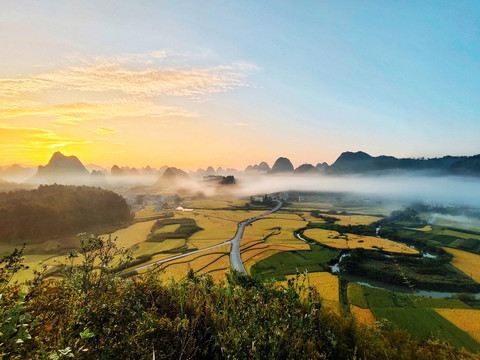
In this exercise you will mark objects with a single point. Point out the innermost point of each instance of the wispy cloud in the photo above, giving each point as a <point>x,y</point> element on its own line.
<point>71,114</point>
<point>113,74</point>
<point>105,131</point>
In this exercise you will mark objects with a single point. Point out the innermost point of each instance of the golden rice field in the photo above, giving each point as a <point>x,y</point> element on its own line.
<point>459,234</point>
<point>215,230</point>
<point>148,212</point>
<point>466,262</point>
<point>363,316</point>
<point>133,234</point>
<point>467,320</point>
<point>213,203</point>
<point>323,206</point>
<point>325,283</point>
<point>425,228</point>
<point>333,306</point>
<point>232,215</point>
<point>154,247</point>
<point>352,241</point>
<point>345,219</point>
<point>202,262</point>
<point>279,229</point>
<point>256,249</point>
<point>167,229</point>
<point>270,226</point>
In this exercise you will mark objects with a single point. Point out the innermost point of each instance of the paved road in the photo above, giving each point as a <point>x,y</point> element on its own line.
<point>235,259</point>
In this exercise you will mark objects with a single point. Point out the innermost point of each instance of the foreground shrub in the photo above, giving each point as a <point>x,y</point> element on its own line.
<point>92,312</point>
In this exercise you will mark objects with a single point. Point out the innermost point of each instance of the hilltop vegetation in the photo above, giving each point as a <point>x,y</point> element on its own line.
<point>92,313</point>
<point>58,210</point>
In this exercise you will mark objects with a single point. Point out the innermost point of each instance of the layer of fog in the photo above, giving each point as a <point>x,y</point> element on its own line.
<point>441,190</point>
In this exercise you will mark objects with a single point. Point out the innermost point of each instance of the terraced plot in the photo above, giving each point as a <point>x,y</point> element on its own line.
<point>363,316</point>
<point>211,261</point>
<point>132,235</point>
<point>285,263</point>
<point>351,241</point>
<point>466,319</point>
<point>420,321</point>
<point>215,230</point>
<point>344,219</point>
<point>326,285</point>
<point>466,262</point>
<point>270,236</point>
<point>356,296</point>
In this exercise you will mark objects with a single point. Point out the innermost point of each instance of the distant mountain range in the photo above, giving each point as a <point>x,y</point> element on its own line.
<point>363,163</point>
<point>63,169</point>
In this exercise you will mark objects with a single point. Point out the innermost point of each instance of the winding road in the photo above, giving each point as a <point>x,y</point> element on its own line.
<point>235,258</point>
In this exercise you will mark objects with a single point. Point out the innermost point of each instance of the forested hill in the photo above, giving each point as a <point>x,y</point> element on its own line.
<point>57,210</point>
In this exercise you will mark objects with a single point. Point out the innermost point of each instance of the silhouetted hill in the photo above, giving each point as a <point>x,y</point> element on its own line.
<point>16,172</point>
<point>306,169</point>
<point>282,165</point>
<point>174,173</point>
<point>61,169</point>
<point>171,176</point>
<point>361,162</point>
<point>263,166</point>
<point>467,166</point>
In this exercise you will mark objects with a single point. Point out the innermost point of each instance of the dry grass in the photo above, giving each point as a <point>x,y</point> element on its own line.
<point>467,320</point>
<point>352,241</point>
<point>363,316</point>
<point>466,262</point>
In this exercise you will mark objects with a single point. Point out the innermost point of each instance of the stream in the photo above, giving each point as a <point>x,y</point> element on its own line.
<point>382,285</point>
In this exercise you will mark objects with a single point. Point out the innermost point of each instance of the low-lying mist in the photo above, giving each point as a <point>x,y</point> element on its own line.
<point>444,190</point>
<point>447,190</point>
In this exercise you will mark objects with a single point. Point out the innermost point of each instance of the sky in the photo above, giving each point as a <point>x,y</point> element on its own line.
<point>232,83</point>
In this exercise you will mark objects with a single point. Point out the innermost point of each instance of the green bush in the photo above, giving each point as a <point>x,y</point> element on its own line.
<point>93,313</point>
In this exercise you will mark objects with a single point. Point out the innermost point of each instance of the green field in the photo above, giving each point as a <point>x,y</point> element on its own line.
<point>412,313</point>
<point>289,262</point>
<point>423,323</point>
<point>356,296</point>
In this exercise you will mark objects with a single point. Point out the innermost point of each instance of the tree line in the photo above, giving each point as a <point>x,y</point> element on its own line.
<point>58,210</point>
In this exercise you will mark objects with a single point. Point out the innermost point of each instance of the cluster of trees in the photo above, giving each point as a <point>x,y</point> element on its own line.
<point>424,273</point>
<point>89,314</point>
<point>58,210</point>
